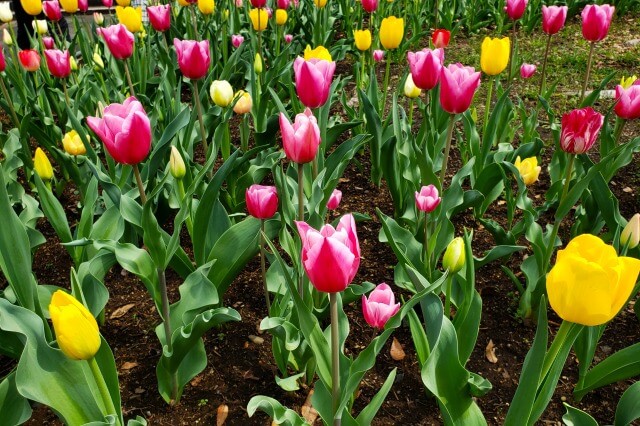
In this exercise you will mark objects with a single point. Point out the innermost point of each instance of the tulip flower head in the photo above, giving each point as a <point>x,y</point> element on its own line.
<point>596,20</point>
<point>83,5</point>
<point>302,139</point>
<point>98,18</point>
<point>458,84</point>
<point>42,165</point>
<point>313,80</point>
<point>288,38</point>
<point>528,169</point>
<point>244,103</point>
<point>58,62</point>
<point>283,4</point>
<point>40,25</point>
<point>378,55</point>
<point>527,70</point>
<point>257,64</point>
<point>6,37</point>
<point>630,235</point>
<point>427,200</point>
<point>391,32</point>
<point>411,91</point>
<point>454,256</point>
<point>590,283</point>
<point>334,199</point>
<point>160,17</point>
<point>193,57</point>
<point>221,93</point>
<point>76,329</point>
<point>281,16</point>
<point>125,131</point>
<point>108,3</point>
<point>370,6</point>
<point>515,8</point>
<point>237,40</point>
<point>494,55</point>
<point>319,52</point>
<point>29,59</point>
<point>362,39</point>
<point>69,6</point>
<point>320,3</point>
<point>259,19</point>
<point>628,102</point>
<point>553,18</point>
<point>119,40</point>
<point>52,10</point>
<point>330,256</point>
<point>6,15</point>
<point>440,38</point>
<point>580,129</point>
<point>177,168</point>
<point>32,7</point>
<point>206,7</point>
<point>426,67</point>
<point>262,201</point>
<point>3,63</point>
<point>72,143</point>
<point>627,82</point>
<point>130,17</point>
<point>49,42</point>
<point>379,306</point>
<point>258,3</point>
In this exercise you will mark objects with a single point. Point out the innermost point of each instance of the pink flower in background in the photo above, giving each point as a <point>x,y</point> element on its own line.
<point>553,18</point>
<point>458,84</point>
<point>58,62</point>
<point>580,129</point>
<point>427,199</point>
<point>107,3</point>
<point>302,139</point>
<point>160,17</point>
<point>193,57</point>
<point>258,3</point>
<point>379,306</point>
<point>83,5</point>
<point>119,40</point>
<point>426,66</point>
<point>527,70</point>
<point>515,8</point>
<point>369,5</point>
<point>628,105</point>
<point>262,201</point>
<point>596,20</point>
<point>237,40</point>
<point>288,38</point>
<point>313,80</point>
<point>48,42</point>
<point>283,4</point>
<point>334,199</point>
<point>378,55</point>
<point>52,10</point>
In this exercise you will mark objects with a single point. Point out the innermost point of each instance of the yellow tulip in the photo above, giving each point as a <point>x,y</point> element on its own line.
<point>42,165</point>
<point>221,93</point>
<point>319,52</point>
<point>123,3</point>
<point>529,169</point>
<point>259,19</point>
<point>627,82</point>
<point>410,89</point>
<point>320,3</point>
<point>244,102</point>
<point>281,16</point>
<point>391,32</point>
<point>72,143</point>
<point>69,6</point>
<point>363,39</point>
<point>130,17</point>
<point>32,7</point>
<point>590,283</point>
<point>494,55</point>
<point>181,3</point>
<point>76,329</point>
<point>206,6</point>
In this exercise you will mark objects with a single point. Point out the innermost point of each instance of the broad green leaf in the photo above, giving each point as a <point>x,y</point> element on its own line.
<point>629,406</point>
<point>275,410</point>
<point>576,417</point>
<point>14,408</point>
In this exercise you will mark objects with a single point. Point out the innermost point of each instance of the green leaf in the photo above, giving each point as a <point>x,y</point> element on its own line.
<point>367,415</point>
<point>576,417</point>
<point>14,408</point>
<point>290,383</point>
<point>275,410</point>
<point>629,406</point>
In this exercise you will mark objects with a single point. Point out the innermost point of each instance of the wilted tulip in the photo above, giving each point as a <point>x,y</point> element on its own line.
<point>52,10</point>
<point>262,201</point>
<point>119,40</point>
<point>379,306</point>
<point>193,57</point>
<point>76,329</point>
<point>529,169</point>
<point>334,199</point>
<point>259,19</point>
<point>440,38</point>
<point>362,39</point>
<point>527,70</point>
<point>391,32</point>
<point>58,62</point>
<point>313,80</point>
<point>458,84</point>
<point>454,256</point>
<point>130,17</point>
<point>206,7</point>
<point>32,7</point>
<point>370,6</point>
<point>302,139</point>
<point>426,67</point>
<point>427,200</point>
<point>6,15</point>
<point>244,102</point>
<point>580,129</point>
<point>515,8</point>
<point>553,18</point>
<point>42,165</point>
<point>411,91</point>
<point>72,143</point>
<point>237,40</point>
<point>177,168</point>
<point>630,235</point>
<point>628,102</point>
<point>378,55</point>
<point>29,59</point>
<point>221,93</point>
<point>494,55</point>
<point>596,20</point>
<point>160,17</point>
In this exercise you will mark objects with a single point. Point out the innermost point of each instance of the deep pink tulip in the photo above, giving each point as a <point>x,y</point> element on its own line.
<point>427,199</point>
<point>378,55</point>
<point>125,131</point>
<point>48,42</point>
<point>370,5</point>
<point>160,17</point>
<point>58,62</point>
<point>262,201</point>
<point>29,59</point>
<point>440,38</point>
<point>553,18</point>
<point>596,20</point>
<point>107,3</point>
<point>52,10</point>
<point>527,70</point>
<point>119,40</point>
<point>331,257</point>
<point>83,5</point>
<point>426,66</point>
<point>237,40</point>
<point>288,38</point>
<point>458,84</point>
<point>334,199</point>
<point>3,63</point>
<point>313,80</point>
<point>302,139</point>
<point>380,306</point>
<point>515,8</point>
<point>580,129</point>
<point>283,4</point>
<point>258,3</point>
<point>193,57</point>
<point>269,12</point>
<point>628,106</point>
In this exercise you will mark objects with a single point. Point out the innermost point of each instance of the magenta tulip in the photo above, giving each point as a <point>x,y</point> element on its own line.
<point>193,57</point>
<point>379,306</point>
<point>3,63</point>
<point>237,40</point>
<point>628,106</point>
<point>160,17</point>
<point>83,5</point>
<point>258,3</point>
<point>48,42</point>
<point>313,80</point>
<point>527,70</point>
<point>52,10</point>
<point>427,199</point>
<point>458,84</point>
<point>515,8</point>
<point>334,199</point>
<point>288,38</point>
<point>426,67</point>
<point>378,55</point>
<point>331,257</point>
<point>283,4</point>
<point>302,139</point>
<point>125,131</point>
<point>596,20</point>
<point>119,40</point>
<point>58,62</point>
<point>580,129</point>
<point>262,201</point>
<point>553,18</point>
<point>370,5</point>
<point>107,3</point>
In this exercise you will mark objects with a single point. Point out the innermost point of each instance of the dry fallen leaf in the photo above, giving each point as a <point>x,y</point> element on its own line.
<point>308,412</point>
<point>490,352</point>
<point>121,311</point>
<point>223,412</point>
<point>129,365</point>
<point>627,189</point>
<point>196,380</point>
<point>397,353</point>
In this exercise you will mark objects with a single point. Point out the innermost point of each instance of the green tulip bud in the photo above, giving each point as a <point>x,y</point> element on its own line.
<point>454,257</point>
<point>631,233</point>
<point>257,64</point>
<point>176,164</point>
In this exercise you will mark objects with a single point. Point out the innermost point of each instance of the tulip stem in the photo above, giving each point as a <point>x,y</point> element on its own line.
<point>363,59</point>
<point>410,114</point>
<point>427,255</point>
<point>194,21</point>
<point>447,296</point>
<point>443,170</point>
<point>386,82</point>
<point>143,196</point>
<point>544,66</point>
<point>617,132</point>
<point>196,94</point>
<point>435,14</point>
<point>166,323</point>
<point>128,73</point>
<point>487,108</point>
<point>512,53</point>
<point>5,93</point>
<point>335,359</point>
<point>300,217</point>
<point>181,197</point>
<point>586,80</point>
<point>263,267</point>
<point>66,93</point>
<point>567,334</point>
<point>102,387</point>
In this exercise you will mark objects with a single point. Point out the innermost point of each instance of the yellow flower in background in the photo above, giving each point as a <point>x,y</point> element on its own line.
<point>42,165</point>
<point>130,17</point>
<point>181,3</point>
<point>206,6</point>
<point>590,283</point>
<point>319,52</point>
<point>281,16</point>
<point>259,19</point>
<point>410,89</point>
<point>221,93</point>
<point>494,55</point>
<point>391,32</point>
<point>69,6</point>
<point>76,329</point>
<point>72,143</point>
<point>362,39</point>
<point>32,7</point>
<point>628,81</point>
<point>124,3</point>
<point>320,3</point>
<point>529,169</point>
<point>244,103</point>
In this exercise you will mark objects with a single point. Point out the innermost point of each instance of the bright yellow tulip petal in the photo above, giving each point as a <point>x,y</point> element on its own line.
<point>494,55</point>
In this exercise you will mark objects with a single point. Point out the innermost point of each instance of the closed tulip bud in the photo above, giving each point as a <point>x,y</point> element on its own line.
<point>130,17</point>
<point>107,3</point>
<point>369,6</point>
<point>596,20</point>
<point>627,82</point>
<point>32,7</point>
<point>458,84</point>
<point>362,39</point>
<point>40,25</point>
<point>379,306</point>
<point>69,6</point>
<point>194,58</point>
<point>528,169</point>
<point>630,235</point>
<point>283,4</point>
<point>221,93</point>
<point>426,67</point>
<point>494,55</point>
<point>176,164</point>
<point>580,129</point>
<point>48,42</point>
<point>628,102</point>
<point>454,256</point>
<point>313,80</point>
<point>73,63</point>
<point>440,38</point>
<point>160,17</point>
<point>3,63</point>
<point>72,143</point>
<point>378,55</point>
<point>302,139</point>
<point>259,19</point>
<point>320,3</point>
<point>42,165</point>
<point>527,70</point>
<point>6,37</point>
<point>206,7</point>
<point>238,3</point>
<point>515,8</point>
<point>590,283</point>
<point>391,32</point>
<point>244,102</point>
<point>281,16</point>
<point>410,89</point>
<point>6,15</point>
<point>257,64</point>
<point>427,200</point>
<point>98,18</point>
<point>237,40</point>
<point>58,62</point>
<point>97,61</point>
<point>288,38</point>
<point>553,18</point>
<point>29,59</point>
<point>334,199</point>
<point>83,5</point>
<point>52,10</point>
<point>119,40</point>
<point>258,3</point>
<point>76,329</point>
<point>123,3</point>
<point>262,201</point>
<point>319,52</point>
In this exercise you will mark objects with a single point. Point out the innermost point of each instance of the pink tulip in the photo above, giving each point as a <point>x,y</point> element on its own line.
<point>269,12</point>
<point>258,3</point>
<point>440,38</point>
<point>29,59</point>
<point>160,17</point>
<point>236,40</point>
<point>527,70</point>
<point>193,57</point>
<point>3,63</point>
<point>515,8</point>
<point>370,5</point>
<point>83,5</point>
<point>596,20</point>
<point>331,257</point>
<point>580,130</point>
<point>119,40</point>
<point>334,199</point>
<point>553,18</point>
<point>313,80</point>
<point>107,3</point>
<point>52,10</point>
<point>125,131</point>
<point>302,139</point>
<point>426,67</point>
<point>288,38</point>
<point>58,62</point>
<point>458,84</point>
<point>427,199</point>
<point>378,55</point>
<point>380,306</point>
<point>48,42</point>
<point>238,3</point>
<point>262,201</point>
<point>628,106</point>
<point>283,4</point>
